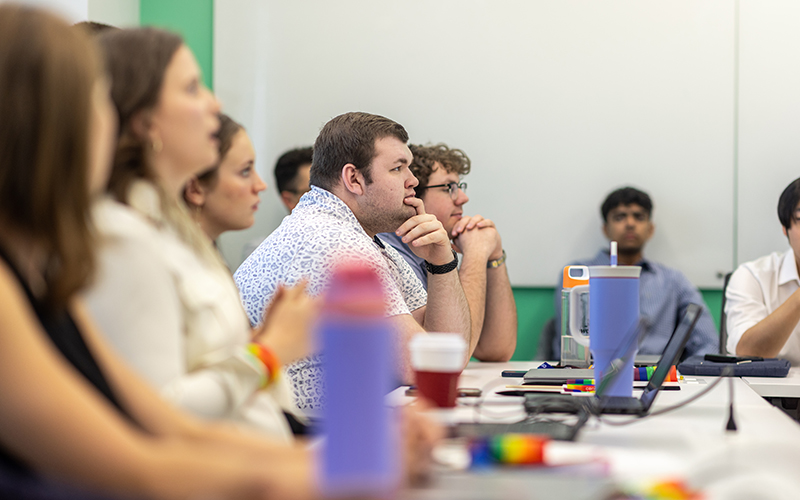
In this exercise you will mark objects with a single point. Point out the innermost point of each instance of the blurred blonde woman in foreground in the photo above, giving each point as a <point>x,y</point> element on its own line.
<point>162,295</point>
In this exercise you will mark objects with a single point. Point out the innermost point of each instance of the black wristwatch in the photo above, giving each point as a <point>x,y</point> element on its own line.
<point>445,268</point>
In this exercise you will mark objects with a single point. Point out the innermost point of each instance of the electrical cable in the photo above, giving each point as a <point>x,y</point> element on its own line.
<point>726,373</point>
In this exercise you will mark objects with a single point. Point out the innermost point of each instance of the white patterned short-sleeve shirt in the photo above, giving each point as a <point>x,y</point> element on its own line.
<point>321,231</point>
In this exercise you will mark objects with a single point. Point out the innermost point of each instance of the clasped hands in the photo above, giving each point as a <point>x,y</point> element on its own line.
<point>476,235</point>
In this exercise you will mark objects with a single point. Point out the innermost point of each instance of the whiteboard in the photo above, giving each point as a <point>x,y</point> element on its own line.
<point>556,103</point>
<point>769,110</point>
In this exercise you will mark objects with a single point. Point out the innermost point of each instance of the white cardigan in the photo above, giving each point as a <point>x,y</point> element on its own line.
<point>178,320</point>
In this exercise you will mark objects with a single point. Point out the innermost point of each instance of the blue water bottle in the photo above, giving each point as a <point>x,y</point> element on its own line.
<point>359,457</point>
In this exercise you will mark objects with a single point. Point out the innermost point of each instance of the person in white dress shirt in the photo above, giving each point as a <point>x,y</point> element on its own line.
<point>763,296</point>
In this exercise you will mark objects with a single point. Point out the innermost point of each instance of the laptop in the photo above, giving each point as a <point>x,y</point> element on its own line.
<point>538,406</point>
<point>623,405</point>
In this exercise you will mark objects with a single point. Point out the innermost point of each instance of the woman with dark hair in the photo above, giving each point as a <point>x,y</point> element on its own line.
<point>225,197</point>
<point>163,296</point>
<point>71,409</point>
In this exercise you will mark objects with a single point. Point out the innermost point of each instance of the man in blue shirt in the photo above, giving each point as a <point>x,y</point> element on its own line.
<point>664,292</point>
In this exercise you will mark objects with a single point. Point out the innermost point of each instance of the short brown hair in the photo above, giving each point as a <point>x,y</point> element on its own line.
<point>48,71</point>
<point>136,59</point>
<point>426,157</point>
<point>228,128</point>
<point>350,138</point>
<point>93,28</point>
<point>287,166</point>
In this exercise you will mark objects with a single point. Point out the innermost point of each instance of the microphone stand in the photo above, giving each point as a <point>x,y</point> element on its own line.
<point>731,426</point>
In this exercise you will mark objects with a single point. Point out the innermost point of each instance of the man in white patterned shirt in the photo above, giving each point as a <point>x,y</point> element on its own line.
<point>361,186</point>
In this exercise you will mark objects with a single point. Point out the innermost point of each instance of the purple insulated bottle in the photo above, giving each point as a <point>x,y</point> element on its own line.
<point>360,452</point>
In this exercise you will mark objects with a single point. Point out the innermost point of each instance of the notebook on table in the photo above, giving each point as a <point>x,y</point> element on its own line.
<point>555,376</point>
<point>770,367</point>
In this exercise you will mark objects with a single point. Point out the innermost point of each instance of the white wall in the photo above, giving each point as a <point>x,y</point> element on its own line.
<point>769,117</point>
<point>120,13</point>
<point>556,103</point>
<point>71,10</point>
<point>241,75</point>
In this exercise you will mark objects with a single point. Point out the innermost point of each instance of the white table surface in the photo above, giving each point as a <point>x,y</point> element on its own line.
<point>689,443</point>
<point>786,387</point>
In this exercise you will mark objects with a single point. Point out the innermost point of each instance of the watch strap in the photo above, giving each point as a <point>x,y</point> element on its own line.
<point>494,264</point>
<point>443,269</point>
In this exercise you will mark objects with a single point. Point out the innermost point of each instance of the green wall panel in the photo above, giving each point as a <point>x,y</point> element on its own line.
<point>535,307</point>
<point>193,20</point>
<point>713,299</point>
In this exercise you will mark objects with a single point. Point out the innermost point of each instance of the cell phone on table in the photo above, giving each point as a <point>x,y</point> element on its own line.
<point>469,392</point>
<point>721,358</point>
<point>463,392</point>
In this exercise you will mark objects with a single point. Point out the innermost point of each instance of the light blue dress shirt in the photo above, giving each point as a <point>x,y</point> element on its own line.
<point>417,263</point>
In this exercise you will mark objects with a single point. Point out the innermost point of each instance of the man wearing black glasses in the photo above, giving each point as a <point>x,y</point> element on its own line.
<point>482,270</point>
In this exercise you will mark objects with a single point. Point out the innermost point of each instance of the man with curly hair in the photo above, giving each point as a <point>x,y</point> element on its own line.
<point>482,269</point>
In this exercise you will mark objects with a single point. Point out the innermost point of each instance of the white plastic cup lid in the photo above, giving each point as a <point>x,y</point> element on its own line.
<point>614,271</point>
<point>440,352</point>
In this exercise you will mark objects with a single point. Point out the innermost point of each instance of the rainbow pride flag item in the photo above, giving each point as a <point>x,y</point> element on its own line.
<point>646,372</point>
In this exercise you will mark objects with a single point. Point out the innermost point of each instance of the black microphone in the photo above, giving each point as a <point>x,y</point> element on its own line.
<point>728,372</point>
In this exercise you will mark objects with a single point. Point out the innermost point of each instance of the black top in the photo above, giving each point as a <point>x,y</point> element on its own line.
<point>64,333</point>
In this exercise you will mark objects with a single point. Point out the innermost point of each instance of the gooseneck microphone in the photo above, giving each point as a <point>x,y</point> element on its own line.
<point>728,372</point>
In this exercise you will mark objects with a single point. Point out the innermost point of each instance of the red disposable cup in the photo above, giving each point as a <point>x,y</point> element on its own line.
<point>437,359</point>
<point>439,387</point>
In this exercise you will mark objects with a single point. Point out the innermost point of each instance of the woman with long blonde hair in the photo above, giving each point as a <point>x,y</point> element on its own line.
<point>163,295</point>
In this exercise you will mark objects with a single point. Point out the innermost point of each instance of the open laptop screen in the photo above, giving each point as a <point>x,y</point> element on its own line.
<point>672,352</point>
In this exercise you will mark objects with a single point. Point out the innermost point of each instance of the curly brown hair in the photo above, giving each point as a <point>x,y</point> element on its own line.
<point>425,159</point>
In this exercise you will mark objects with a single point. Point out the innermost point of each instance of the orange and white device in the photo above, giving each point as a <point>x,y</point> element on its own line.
<point>576,276</point>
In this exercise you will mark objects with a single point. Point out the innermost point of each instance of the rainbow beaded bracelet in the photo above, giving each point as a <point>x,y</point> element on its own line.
<point>270,362</point>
